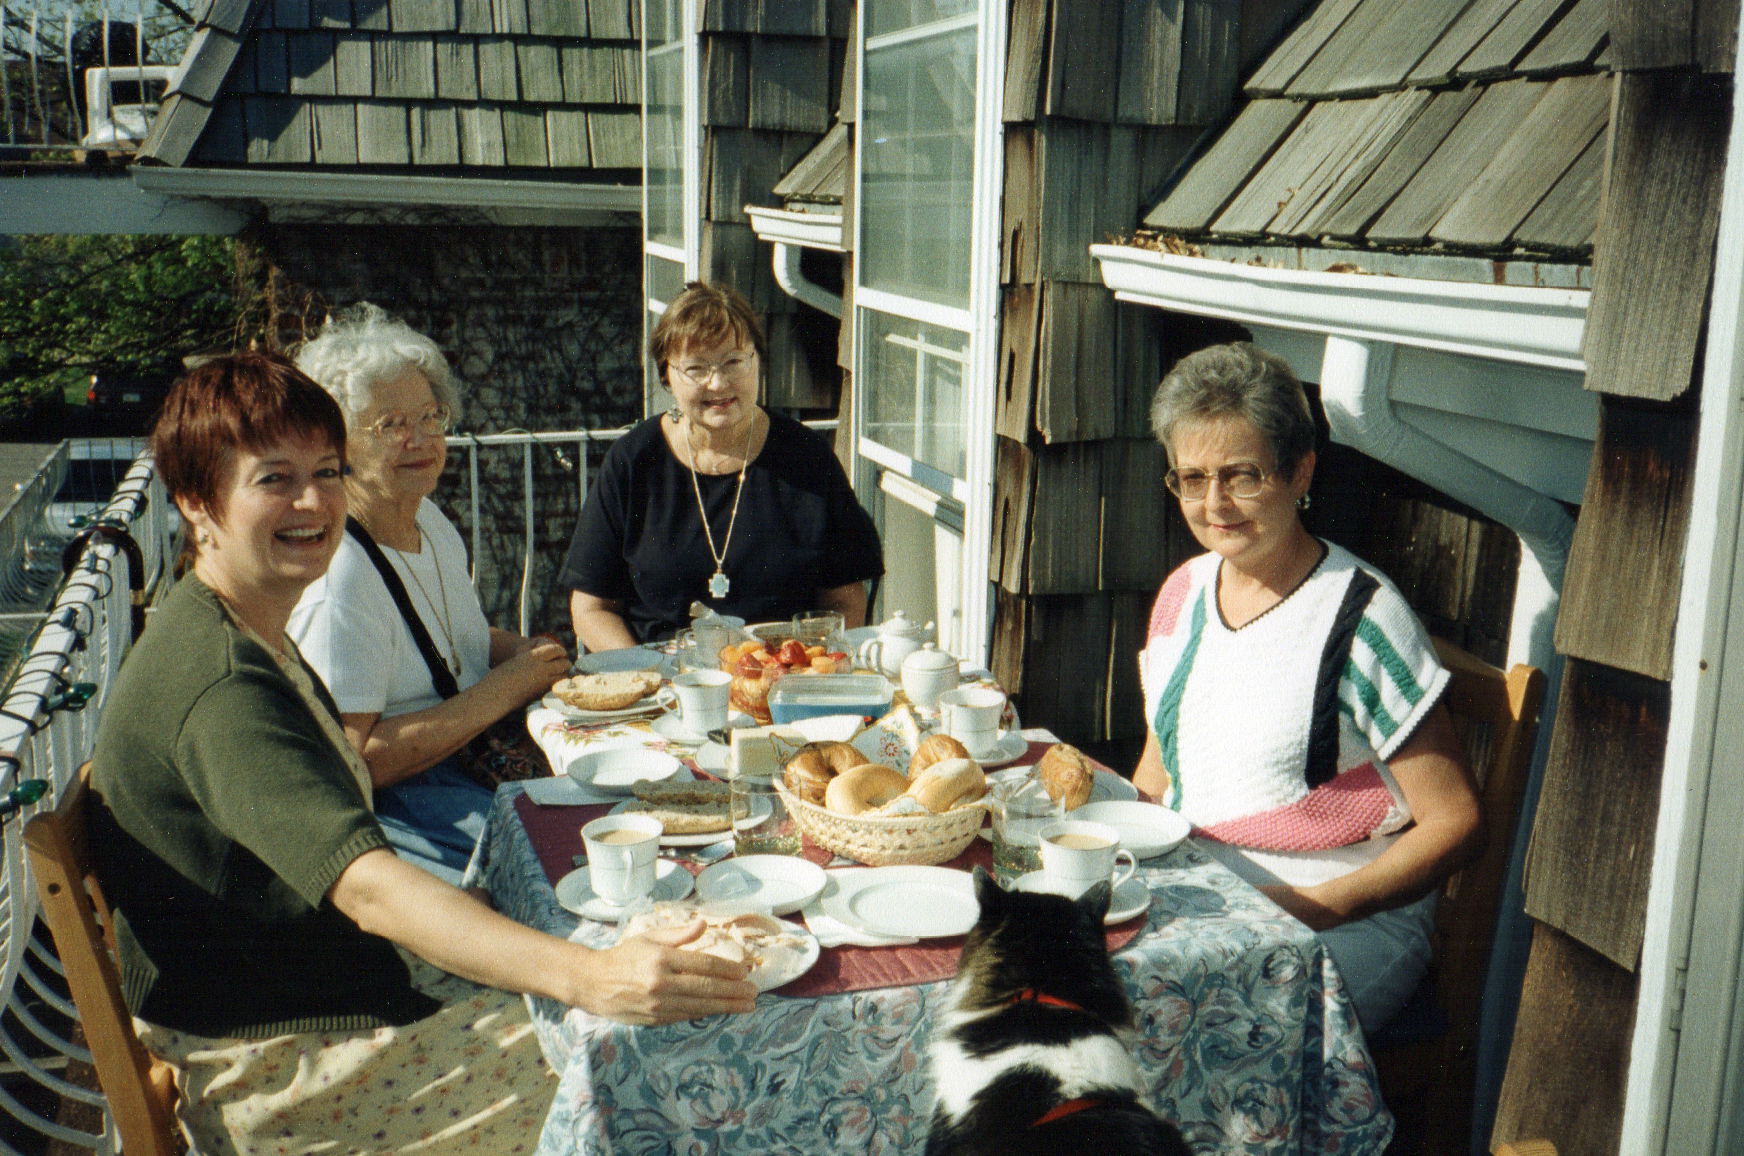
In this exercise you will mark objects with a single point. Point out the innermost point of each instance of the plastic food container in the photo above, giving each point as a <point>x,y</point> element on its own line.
<point>813,695</point>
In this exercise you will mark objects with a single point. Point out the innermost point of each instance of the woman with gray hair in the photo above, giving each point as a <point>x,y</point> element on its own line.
<point>395,627</point>
<point>1292,697</point>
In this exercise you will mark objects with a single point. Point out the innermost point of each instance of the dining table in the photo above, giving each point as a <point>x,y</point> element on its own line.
<point>1244,1033</point>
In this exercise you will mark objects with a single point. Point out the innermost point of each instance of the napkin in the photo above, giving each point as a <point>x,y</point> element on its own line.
<point>832,932</point>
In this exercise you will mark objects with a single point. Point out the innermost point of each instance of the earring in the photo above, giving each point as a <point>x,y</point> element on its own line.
<point>1302,502</point>
<point>203,538</point>
<point>674,415</point>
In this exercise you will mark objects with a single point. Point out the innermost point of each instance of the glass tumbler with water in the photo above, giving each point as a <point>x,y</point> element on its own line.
<point>1021,808</point>
<point>761,822</point>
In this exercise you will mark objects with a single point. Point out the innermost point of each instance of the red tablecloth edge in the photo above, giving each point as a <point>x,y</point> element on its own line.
<point>555,833</point>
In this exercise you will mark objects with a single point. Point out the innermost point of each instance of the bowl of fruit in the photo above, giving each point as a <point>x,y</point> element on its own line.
<point>759,661</point>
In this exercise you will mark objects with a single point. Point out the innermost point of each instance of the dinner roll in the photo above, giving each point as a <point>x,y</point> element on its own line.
<point>864,788</point>
<point>1067,775</point>
<point>811,768</point>
<point>935,749</point>
<point>949,784</point>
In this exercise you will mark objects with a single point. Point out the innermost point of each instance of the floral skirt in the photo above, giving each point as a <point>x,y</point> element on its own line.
<point>469,1078</point>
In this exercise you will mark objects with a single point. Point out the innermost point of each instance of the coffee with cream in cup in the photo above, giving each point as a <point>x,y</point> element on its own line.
<point>1078,854</point>
<point>621,854</point>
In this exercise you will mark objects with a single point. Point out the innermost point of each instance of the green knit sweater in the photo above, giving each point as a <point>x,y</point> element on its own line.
<point>221,816</point>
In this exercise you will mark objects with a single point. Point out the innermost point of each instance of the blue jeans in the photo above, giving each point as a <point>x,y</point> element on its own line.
<point>434,818</point>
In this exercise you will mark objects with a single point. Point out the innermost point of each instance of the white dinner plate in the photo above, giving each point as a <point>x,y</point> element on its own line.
<point>659,700</point>
<point>1130,898</point>
<point>774,975</point>
<point>724,835</point>
<point>616,770</point>
<point>1108,785</point>
<point>858,636</point>
<point>626,658</point>
<point>782,883</point>
<point>1146,829</point>
<point>670,727</point>
<point>923,902</point>
<point>1012,746</point>
<point>575,892</point>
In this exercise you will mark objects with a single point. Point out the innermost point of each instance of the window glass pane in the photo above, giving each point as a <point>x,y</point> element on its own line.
<point>917,146</point>
<point>665,134</point>
<point>884,16</point>
<point>914,376</point>
<point>665,279</point>
<point>909,535</point>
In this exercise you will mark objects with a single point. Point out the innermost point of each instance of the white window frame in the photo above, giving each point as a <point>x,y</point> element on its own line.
<point>965,506</point>
<point>688,45</point>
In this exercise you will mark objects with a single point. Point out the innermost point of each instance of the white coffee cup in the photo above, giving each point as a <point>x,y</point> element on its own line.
<point>971,716</point>
<point>621,855</point>
<point>1078,854</point>
<point>703,697</point>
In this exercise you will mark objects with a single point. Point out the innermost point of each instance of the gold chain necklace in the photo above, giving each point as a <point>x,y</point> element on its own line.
<point>425,544</point>
<point>719,584</point>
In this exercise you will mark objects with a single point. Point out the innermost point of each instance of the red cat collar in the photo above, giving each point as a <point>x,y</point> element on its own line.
<point>1031,995</point>
<point>1064,1109</point>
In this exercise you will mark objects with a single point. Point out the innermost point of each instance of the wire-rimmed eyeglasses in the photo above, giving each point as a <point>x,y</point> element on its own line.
<point>733,367</point>
<point>433,422</point>
<point>1240,480</point>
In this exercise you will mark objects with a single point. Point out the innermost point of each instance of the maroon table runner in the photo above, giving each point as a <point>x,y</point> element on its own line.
<point>555,833</point>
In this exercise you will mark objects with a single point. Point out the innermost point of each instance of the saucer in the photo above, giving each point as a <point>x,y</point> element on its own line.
<point>1130,898</point>
<point>575,892</point>
<point>671,727</point>
<point>1011,747</point>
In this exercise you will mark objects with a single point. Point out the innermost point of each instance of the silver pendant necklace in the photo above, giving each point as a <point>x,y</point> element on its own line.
<point>719,584</point>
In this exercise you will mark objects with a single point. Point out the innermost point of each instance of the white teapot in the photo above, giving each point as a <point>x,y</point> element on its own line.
<point>897,638</point>
<point>927,673</point>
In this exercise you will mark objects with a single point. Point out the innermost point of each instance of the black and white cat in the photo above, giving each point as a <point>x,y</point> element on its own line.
<point>1027,1056</point>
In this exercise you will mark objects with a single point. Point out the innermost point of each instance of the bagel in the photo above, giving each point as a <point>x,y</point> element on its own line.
<point>863,788</point>
<point>1067,775</point>
<point>949,784</point>
<point>935,749</point>
<point>811,768</point>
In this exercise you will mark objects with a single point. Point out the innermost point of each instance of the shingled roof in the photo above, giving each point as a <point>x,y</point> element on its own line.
<point>1414,124</point>
<point>491,84</point>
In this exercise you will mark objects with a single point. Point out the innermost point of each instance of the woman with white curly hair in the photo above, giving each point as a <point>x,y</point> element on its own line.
<point>395,627</point>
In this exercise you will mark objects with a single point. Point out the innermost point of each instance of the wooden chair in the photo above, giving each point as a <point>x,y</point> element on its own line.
<point>140,1089</point>
<point>1427,1059</point>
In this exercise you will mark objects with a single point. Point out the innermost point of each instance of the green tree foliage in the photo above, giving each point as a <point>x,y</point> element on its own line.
<point>134,306</point>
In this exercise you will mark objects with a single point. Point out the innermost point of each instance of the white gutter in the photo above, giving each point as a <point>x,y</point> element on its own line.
<point>306,186</point>
<point>788,232</point>
<point>1503,322</point>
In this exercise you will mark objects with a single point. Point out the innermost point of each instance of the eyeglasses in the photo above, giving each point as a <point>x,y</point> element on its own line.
<point>734,367</point>
<point>433,422</point>
<point>1241,480</point>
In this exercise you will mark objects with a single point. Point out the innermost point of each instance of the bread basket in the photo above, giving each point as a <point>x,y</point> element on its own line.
<point>892,841</point>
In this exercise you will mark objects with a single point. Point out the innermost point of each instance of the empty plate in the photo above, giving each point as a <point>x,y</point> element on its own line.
<point>782,883</point>
<point>1146,829</point>
<point>616,770</point>
<point>923,902</point>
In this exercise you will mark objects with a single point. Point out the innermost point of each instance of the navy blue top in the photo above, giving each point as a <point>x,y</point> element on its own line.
<point>640,540</point>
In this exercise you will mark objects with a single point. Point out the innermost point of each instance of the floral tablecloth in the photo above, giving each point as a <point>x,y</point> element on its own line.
<point>1244,1031</point>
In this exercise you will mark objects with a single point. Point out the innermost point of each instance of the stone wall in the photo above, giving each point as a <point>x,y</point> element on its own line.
<point>544,328</point>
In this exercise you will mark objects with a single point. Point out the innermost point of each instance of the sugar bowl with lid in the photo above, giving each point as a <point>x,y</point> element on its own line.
<point>926,674</point>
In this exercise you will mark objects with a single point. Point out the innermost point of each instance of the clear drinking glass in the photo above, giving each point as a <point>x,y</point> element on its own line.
<point>818,628</point>
<point>1021,808</point>
<point>761,823</point>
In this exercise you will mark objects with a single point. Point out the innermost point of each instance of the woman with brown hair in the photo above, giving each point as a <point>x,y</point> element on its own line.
<point>259,912</point>
<point>717,500</point>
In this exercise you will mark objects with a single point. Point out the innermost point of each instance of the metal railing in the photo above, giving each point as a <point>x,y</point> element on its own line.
<point>48,723</point>
<point>44,58</point>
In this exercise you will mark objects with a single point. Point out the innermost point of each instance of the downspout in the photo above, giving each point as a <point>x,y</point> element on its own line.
<point>1354,381</point>
<point>795,285</point>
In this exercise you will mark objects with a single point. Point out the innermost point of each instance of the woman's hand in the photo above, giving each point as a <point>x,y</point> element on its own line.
<point>645,979</point>
<point>399,747</point>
